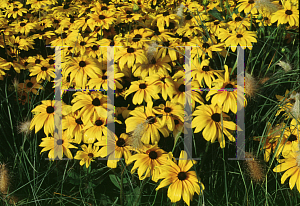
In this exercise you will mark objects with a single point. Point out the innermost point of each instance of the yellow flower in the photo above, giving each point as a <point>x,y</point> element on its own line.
<point>114,153</point>
<point>290,14</point>
<point>130,56</point>
<point>184,183</point>
<point>87,155</point>
<point>146,161</point>
<point>240,37</point>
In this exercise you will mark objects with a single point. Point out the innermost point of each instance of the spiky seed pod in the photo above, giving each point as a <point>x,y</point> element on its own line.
<point>254,167</point>
<point>285,66</point>
<point>23,127</point>
<point>5,184</point>
<point>251,85</point>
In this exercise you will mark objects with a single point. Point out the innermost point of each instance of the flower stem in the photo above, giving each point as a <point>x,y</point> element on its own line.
<point>121,187</point>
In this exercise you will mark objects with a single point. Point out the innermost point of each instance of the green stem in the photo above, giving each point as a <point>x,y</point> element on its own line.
<point>121,187</point>
<point>141,191</point>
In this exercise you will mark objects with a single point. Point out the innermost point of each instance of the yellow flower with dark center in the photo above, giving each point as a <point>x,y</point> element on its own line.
<point>23,97</point>
<point>179,96</point>
<point>15,11</point>
<point>208,117</point>
<point>139,37</point>
<point>150,157</point>
<point>23,27</point>
<point>73,125</point>
<point>164,19</point>
<point>130,56</point>
<point>214,26</point>
<point>206,48</point>
<point>225,94</point>
<point>151,124</point>
<point>156,64</point>
<point>114,153</point>
<point>247,6</point>
<point>21,42</point>
<point>286,103</point>
<point>101,81</point>
<point>51,143</point>
<point>128,16</point>
<point>265,21</point>
<point>102,19</point>
<point>38,4</point>
<point>203,73</point>
<point>238,22</point>
<point>189,30</point>
<point>65,10</point>
<point>87,154</point>
<point>165,82</point>
<point>290,14</point>
<point>43,71</point>
<point>30,86</point>
<point>144,91</point>
<point>184,183</point>
<point>291,165</point>
<point>44,117</point>
<point>170,112</point>
<point>95,128</point>
<point>81,44</point>
<point>79,69</point>
<point>241,37</point>
<point>90,104</point>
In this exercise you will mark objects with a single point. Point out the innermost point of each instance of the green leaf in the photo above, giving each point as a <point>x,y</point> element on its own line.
<point>115,180</point>
<point>216,14</point>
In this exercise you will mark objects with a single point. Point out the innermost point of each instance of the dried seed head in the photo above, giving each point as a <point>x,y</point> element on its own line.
<point>285,66</point>
<point>296,108</point>
<point>254,167</point>
<point>151,50</point>
<point>250,85</point>
<point>266,6</point>
<point>24,127</point>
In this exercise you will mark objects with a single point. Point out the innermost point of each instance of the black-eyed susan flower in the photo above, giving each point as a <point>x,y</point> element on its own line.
<point>165,82</point>
<point>203,73</point>
<point>247,6</point>
<point>43,71</point>
<point>37,4</point>
<point>290,14</point>
<point>90,104</point>
<point>183,183</point>
<point>291,165</point>
<point>170,112</point>
<point>149,157</point>
<point>21,42</point>
<point>208,117</point>
<point>73,125</point>
<point>95,128</point>
<point>240,37</point>
<point>23,27</point>
<point>30,85</point>
<point>44,117</point>
<point>144,91</point>
<point>82,43</point>
<point>225,94</point>
<point>80,68</point>
<point>130,56</point>
<point>164,19</point>
<point>238,22</point>
<point>15,11</point>
<point>151,124</point>
<point>286,104</point>
<point>50,143</point>
<point>139,37</point>
<point>87,155</point>
<point>115,148</point>
<point>102,19</point>
<point>129,16</point>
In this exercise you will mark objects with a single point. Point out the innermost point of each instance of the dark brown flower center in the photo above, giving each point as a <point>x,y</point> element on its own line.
<point>167,109</point>
<point>128,12</point>
<point>153,61</point>
<point>292,138</point>
<point>151,119</point>
<point>205,45</point>
<point>239,36</point>
<point>63,35</point>
<point>176,121</point>
<point>153,155</point>
<point>288,12</point>
<point>137,38</point>
<point>238,19</point>
<point>50,109</point>
<point>96,102</point>
<point>216,23</point>
<point>251,2</point>
<point>79,121</point>
<point>29,84</point>
<point>51,61</point>
<point>60,141</point>
<point>101,17</point>
<point>266,18</point>
<point>22,24</point>
<point>82,64</point>
<point>91,155</point>
<point>181,88</point>
<point>15,9</point>
<point>205,68</point>
<point>166,13</point>
<point>191,27</point>
<point>121,142</point>
<point>37,61</point>
<point>95,48</point>
<point>185,39</point>
<point>188,17</point>
<point>129,16</point>
<point>98,122</point>
<point>182,176</point>
<point>44,69</point>
<point>216,117</point>
<point>104,8</point>
<point>82,43</point>
<point>229,86</point>
<point>104,77</point>
<point>143,86</point>
<point>130,50</point>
